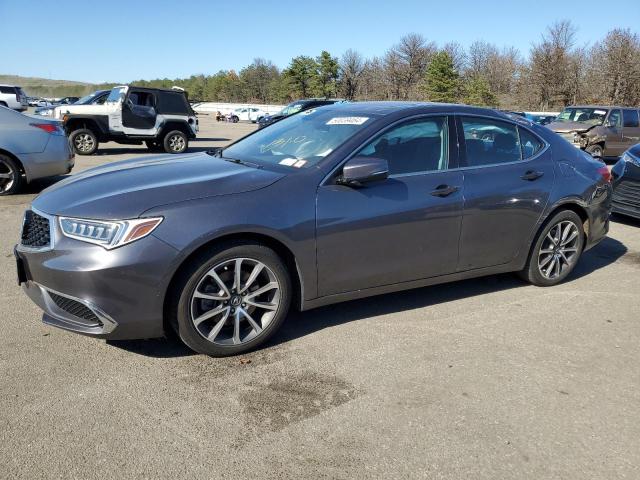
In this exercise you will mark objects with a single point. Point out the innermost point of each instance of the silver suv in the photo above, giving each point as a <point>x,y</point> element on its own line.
<point>161,118</point>
<point>13,97</point>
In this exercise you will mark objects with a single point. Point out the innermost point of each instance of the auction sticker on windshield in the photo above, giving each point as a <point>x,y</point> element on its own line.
<point>600,112</point>
<point>347,120</point>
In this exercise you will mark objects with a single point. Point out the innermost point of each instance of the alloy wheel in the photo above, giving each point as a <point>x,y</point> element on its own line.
<point>235,301</point>
<point>176,143</point>
<point>84,142</point>
<point>7,176</point>
<point>559,249</point>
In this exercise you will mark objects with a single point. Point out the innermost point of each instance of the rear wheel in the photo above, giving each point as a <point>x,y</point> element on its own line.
<point>595,151</point>
<point>10,176</point>
<point>84,141</point>
<point>557,249</point>
<point>231,299</point>
<point>175,142</point>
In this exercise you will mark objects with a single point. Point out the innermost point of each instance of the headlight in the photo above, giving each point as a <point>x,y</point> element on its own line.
<point>627,157</point>
<point>108,234</point>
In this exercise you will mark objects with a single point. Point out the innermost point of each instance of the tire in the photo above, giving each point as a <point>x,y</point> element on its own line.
<point>235,119</point>
<point>84,141</point>
<point>3,104</point>
<point>188,310</point>
<point>596,151</point>
<point>153,146</point>
<point>11,180</point>
<point>556,251</point>
<point>175,142</point>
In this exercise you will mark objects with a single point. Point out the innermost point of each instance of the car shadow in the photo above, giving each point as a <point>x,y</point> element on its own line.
<point>36,186</point>
<point>301,324</point>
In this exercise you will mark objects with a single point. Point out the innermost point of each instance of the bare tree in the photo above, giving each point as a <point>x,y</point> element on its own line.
<point>351,70</point>
<point>406,64</point>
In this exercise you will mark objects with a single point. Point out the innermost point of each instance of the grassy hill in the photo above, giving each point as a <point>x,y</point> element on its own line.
<point>44,87</point>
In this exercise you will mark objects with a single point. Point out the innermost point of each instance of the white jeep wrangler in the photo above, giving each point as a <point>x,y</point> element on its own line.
<point>161,118</point>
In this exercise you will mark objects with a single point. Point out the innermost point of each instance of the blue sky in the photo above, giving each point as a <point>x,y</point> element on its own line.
<point>120,41</point>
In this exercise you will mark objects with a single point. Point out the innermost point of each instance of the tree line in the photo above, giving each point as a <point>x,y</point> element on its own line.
<point>556,72</point>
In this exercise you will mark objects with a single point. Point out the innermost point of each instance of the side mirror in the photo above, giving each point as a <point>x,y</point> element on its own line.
<point>361,170</point>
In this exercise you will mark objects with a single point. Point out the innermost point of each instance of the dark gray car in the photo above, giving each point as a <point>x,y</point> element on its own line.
<point>341,202</point>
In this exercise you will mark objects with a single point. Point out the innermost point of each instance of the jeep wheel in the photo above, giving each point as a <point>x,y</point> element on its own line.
<point>175,142</point>
<point>595,151</point>
<point>84,141</point>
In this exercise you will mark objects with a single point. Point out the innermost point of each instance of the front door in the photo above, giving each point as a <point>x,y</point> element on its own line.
<point>630,127</point>
<point>400,229</point>
<point>139,112</point>
<point>507,179</point>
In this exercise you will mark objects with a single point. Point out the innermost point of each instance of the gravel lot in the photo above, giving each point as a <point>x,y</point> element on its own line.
<point>482,379</point>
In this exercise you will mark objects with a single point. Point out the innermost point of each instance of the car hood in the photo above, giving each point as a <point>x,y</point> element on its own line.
<point>127,189</point>
<point>565,127</point>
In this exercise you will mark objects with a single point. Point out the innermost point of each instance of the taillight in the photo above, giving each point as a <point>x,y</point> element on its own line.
<point>605,173</point>
<point>48,127</point>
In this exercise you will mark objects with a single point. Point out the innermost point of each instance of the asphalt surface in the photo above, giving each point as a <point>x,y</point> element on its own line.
<point>481,379</point>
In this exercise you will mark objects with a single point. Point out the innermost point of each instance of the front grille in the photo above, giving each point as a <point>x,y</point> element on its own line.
<point>73,307</point>
<point>627,193</point>
<point>36,231</point>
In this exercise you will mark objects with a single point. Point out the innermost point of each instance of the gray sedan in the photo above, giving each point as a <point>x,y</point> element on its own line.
<point>332,204</point>
<point>30,148</point>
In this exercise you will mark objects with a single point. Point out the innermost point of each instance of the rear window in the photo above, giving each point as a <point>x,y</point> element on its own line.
<point>630,118</point>
<point>529,143</point>
<point>8,90</point>
<point>173,103</point>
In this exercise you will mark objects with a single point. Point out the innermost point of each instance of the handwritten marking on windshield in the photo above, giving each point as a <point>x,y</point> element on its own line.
<point>282,142</point>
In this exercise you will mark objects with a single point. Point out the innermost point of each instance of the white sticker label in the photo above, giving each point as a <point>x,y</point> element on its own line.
<point>288,161</point>
<point>300,163</point>
<point>309,112</point>
<point>600,112</point>
<point>347,120</point>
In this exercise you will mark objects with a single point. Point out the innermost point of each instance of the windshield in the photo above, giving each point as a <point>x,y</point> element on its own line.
<point>298,141</point>
<point>591,116</point>
<point>86,99</point>
<point>116,94</point>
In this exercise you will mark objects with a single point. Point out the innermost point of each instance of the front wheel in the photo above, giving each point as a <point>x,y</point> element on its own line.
<point>231,299</point>
<point>595,151</point>
<point>10,176</point>
<point>84,141</point>
<point>557,249</point>
<point>175,142</point>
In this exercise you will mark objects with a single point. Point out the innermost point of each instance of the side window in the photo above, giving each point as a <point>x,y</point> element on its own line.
<point>614,118</point>
<point>100,100</point>
<point>415,146</point>
<point>490,141</point>
<point>529,143</point>
<point>630,118</point>
<point>9,90</point>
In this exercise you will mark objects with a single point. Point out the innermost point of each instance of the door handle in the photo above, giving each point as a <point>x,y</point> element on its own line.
<point>444,190</point>
<point>532,175</point>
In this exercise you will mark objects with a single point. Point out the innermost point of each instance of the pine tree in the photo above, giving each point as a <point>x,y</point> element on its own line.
<point>442,82</point>
<point>477,92</point>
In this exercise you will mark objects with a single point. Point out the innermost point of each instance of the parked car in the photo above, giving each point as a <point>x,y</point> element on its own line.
<point>96,98</point>
<point>247,114</point>
<point>380,197</point>
<point>295,107</point>
<point>33,101</point>
<point>602,131</point>
<point>161,118</point>
<point>30,149</point>
<point>541,118</point>
<point>626,183</point>
<point>13,97</point>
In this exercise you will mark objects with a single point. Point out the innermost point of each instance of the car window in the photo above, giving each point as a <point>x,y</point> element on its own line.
<point>630,118</point>
<point>412,147</point>
<point>7,90</point>
<point>490,141</point>
<point>116,95</point>
<point>615,118</point>
<point>529,143</point>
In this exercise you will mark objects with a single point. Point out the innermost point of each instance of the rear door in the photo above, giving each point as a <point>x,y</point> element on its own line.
<point>508,174</point>
<point>630,127</point>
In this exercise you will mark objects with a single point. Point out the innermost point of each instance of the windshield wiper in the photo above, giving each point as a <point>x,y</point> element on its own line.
<point>240,162</point>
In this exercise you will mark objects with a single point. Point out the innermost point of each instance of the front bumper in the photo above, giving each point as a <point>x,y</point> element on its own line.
<point>626,189</point>
<point>112,294</point>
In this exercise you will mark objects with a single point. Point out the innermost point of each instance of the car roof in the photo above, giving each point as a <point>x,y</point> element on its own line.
<point>383,108</point>
<point>607,107</point>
